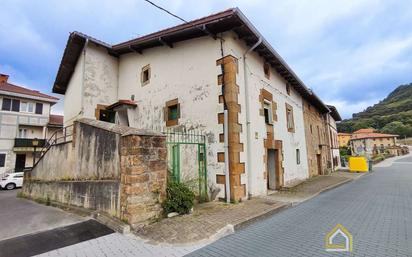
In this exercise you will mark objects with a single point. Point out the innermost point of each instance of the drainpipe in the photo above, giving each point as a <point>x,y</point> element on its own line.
<point>248,134</point>
<point>226,146</point>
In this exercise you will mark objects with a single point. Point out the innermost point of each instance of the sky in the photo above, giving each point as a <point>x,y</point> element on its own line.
<point>351,53</point>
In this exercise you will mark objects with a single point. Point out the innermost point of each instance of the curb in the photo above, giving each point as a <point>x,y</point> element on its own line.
<point>260,216</point>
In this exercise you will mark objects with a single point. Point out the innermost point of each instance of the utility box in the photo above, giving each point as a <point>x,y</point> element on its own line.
<point>358,164</point>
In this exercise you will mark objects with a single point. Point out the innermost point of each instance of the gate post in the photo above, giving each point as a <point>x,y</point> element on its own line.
<point>143,168</point>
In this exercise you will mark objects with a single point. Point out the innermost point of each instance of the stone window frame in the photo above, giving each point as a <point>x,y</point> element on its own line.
<point>268,105</point>
<point>168,105</point>
<point>290,123</point>
<point>145,70</point>
<point>266,69</point>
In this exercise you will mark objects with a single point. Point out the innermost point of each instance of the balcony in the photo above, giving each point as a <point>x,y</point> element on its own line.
<point>28,142</point>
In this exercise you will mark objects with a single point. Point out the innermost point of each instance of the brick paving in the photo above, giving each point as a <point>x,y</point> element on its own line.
<point>207,220</point>
<point>376,209</point>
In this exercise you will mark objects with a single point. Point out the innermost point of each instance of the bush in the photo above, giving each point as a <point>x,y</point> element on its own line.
<point>179,198</point>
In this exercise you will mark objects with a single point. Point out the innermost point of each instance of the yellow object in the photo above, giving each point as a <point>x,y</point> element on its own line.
<point>358,164</point>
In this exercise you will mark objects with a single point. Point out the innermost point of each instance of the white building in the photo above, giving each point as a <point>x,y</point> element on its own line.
<point>184,78</point>
<point>332,118</point>
<point>24,116</point>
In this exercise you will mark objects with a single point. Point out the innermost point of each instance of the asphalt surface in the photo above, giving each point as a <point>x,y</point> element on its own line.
<point>20,216</point>
<point>376,209</point>
<point>45,241</point>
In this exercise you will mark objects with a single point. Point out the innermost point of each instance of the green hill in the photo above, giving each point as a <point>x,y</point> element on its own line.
<point>391,115</point>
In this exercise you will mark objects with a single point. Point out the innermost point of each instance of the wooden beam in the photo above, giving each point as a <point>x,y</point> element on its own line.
<point>165,43</point>
<point>207,31</point>
<point>135,49</point>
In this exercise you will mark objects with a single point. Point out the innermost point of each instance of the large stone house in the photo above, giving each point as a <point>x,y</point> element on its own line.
<point>25,123</point>
<point>216,75</point>
<point>367,142</point>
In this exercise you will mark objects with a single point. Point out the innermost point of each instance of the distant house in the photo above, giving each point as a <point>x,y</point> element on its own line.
<point>368,142</point>
<point>25,123</point>
<point>343,139</point>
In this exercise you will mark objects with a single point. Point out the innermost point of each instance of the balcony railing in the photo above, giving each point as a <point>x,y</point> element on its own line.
<point>28,142</point>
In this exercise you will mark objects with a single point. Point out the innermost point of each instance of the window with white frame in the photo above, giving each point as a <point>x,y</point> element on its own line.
<point>267,108</point>
<point>22,133</point>
<point>27,107</point>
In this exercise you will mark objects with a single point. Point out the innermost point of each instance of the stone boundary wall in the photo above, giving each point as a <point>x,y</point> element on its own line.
<point>107,167</point>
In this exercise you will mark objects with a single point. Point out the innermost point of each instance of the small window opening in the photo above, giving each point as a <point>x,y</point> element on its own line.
<point>297,156</point>
<point>266,69</point>
<point>288,88</point>
<point>145,75</point>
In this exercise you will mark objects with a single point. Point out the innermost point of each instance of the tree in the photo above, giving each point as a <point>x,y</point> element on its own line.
<point>398,128</point>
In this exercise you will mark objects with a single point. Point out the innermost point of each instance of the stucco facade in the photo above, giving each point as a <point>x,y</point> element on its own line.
<point>188,72</point>
<point>189,85</point>
<point>316,140</point>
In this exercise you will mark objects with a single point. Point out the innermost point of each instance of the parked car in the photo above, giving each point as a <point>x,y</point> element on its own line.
<point>12,180</point>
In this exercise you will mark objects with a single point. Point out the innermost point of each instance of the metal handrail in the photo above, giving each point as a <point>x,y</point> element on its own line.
<point>54,140</point>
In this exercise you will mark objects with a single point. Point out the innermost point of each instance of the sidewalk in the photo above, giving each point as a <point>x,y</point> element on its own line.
<point>313,186</point>
<point>181,235</point>
<point>209,222</point>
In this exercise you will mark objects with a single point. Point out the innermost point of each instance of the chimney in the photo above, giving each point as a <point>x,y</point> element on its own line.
<point>3,78</point>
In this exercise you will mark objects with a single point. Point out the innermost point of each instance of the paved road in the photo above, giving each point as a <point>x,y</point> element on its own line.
<point>376,209</point>
<point>21,216</point>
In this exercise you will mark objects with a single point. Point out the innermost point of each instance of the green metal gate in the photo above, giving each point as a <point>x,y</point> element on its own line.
<point>177,142</point>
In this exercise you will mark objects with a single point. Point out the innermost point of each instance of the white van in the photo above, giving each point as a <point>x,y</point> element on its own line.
<point>12,180</point>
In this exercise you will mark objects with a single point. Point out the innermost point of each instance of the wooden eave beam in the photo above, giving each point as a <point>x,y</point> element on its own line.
<point>165,43</point>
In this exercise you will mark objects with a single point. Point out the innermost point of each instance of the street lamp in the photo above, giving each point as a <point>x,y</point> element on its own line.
<point>35,143</point>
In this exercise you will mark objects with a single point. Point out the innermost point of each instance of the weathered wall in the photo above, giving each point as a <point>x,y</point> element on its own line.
<point>92,155</point>
<point>94,81</point>
<point>316,139</point>
<point>92,194</point>
<point>101,79</point>
<point>187,72</point>
<point>107,167</point>
<point>276,85</point>
<point>73,96</point>
<point>333,142</point>
<point>144,173</point>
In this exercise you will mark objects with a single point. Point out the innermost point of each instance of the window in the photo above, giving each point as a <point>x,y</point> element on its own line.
<point>18,176</point>
<point>6,104</point>
<point>2,159</point>
<point>27,107</point>
<point>107,116</point>
<point>297,156</point>
<point>172,112</point>
<point>10,105</point>
<point>289,118</point>
<point>22,133</point>
<point>39,108</point>
<point>311,129</point>
<point>15,105</point>
<point>266,70</point>
<point>267,108</point>
<point>288,88</point>
<point>30,107</point>
<point>145,75</point>
<point>23,107</point>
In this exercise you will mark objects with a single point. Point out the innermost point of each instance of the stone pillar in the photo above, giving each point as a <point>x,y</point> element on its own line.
<point>143,169</point>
